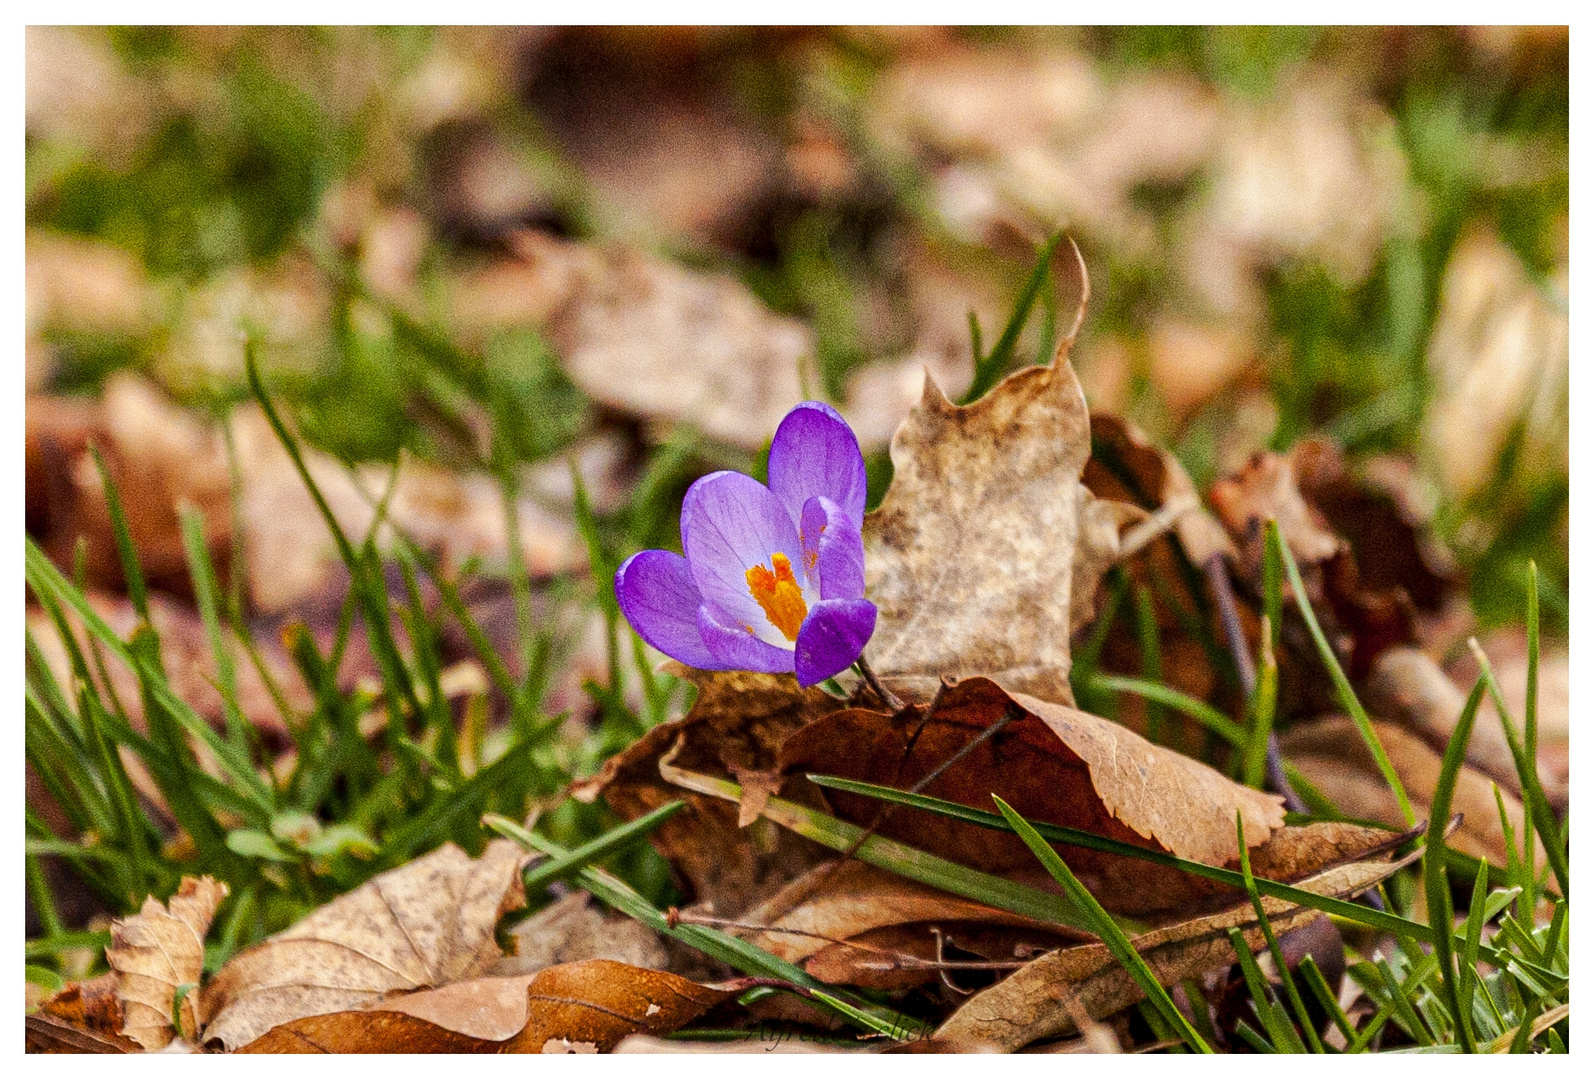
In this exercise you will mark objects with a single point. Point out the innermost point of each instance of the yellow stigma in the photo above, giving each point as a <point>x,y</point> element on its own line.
<point>778,594</point>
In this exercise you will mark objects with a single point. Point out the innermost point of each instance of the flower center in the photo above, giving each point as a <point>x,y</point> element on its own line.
<point>779,595</point>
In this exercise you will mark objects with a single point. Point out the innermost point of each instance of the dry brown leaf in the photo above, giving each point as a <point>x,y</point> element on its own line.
<point>1408,687</point>
<point>597,1002</point>
<point>1266,488</point>
<point>1334,759</point>
<point>161,456</point>
<point>159,952</point>
<point>970,557</point>
<point>82,1018</point>
<point>425,924</point>
<point>653,339</point>
<point>187,658</point>
<point>1507,650</point>
<point>1054,764</point>
<point>574,928</point>
<point>737,725</point>
<point>1125,464</point>
<point>1028,1005</point>
<point>864,926</point>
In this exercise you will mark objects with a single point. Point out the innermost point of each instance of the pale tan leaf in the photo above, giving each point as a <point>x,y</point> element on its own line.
<point>157,952</point>
<point>583,1007</point>
<point>1333,757</point>
<point>1031,1004</point>
<point>425,924</point>
<point>970,557</point>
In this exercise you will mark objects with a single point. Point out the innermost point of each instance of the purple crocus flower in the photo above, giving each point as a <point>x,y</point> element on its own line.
<point>773,578</point>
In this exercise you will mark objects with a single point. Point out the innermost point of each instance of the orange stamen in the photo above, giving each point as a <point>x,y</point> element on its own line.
<point>779,595</point>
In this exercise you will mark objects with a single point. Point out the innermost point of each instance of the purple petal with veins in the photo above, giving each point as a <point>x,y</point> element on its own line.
<point>729,523</point>
<point>660,600</point>
<point>814,452</point>
<point>833,636</point>
<point>737,649</point>
<point>833,550</point>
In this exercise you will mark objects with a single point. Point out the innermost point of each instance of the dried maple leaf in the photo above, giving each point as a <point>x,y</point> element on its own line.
<point>1033,1003</point>
<point>425,924</point>
<point>596,1002</point>
<point>159,953</point>
<point>971,558</point>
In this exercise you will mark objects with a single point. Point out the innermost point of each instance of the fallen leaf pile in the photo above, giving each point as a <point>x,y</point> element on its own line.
<point>1002,514</point>
<point>546,270</point>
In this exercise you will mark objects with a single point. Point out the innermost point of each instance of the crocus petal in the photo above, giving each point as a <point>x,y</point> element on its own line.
<point>832,637</point>
<point>660,600</point>
<point>730,523</point>
<point>815,453</point>
<point>833,549</point>
<point>738,649</point>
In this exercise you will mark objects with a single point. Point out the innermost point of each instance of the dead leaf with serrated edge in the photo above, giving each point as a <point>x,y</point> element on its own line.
<point>597,1002</point>
<point>1029,1005</point>
<point>426,924</point>
<point>157,955</point>
<point>972,555</point>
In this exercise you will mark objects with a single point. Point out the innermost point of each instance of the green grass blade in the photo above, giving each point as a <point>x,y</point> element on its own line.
<point>1274,950</point>
<point>1380,920</point>
<point>132,570</point>
<point>1313,976</point>
<point>1436,886</point>
<point>202,573</point>
<point>990,369</point>
<point>1103,925</point>
<point>1348,696</point>
<point>1467,968</point>
<point>1264,700</point>
<point>1146,633</point>
<point>1197,710</point>
<point>553,869</point>
<point>898,858</point>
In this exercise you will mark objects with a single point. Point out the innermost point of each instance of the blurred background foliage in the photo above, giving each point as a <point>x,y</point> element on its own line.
<point>1360,233</point>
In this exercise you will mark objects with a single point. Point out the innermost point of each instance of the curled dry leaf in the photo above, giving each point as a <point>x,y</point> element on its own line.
<point>1031,1005</point>
<point>82,1018</point>
<point>1125,464</point>
<point>863,926</point>
<point>972,556</point>
<point>1264,488</point>
<point>737,725</point>
<point>160,953</point>
<point>1334,759</point>
<point>1053,764</point>
<point>596,1002</point>
<point>426,924</point>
